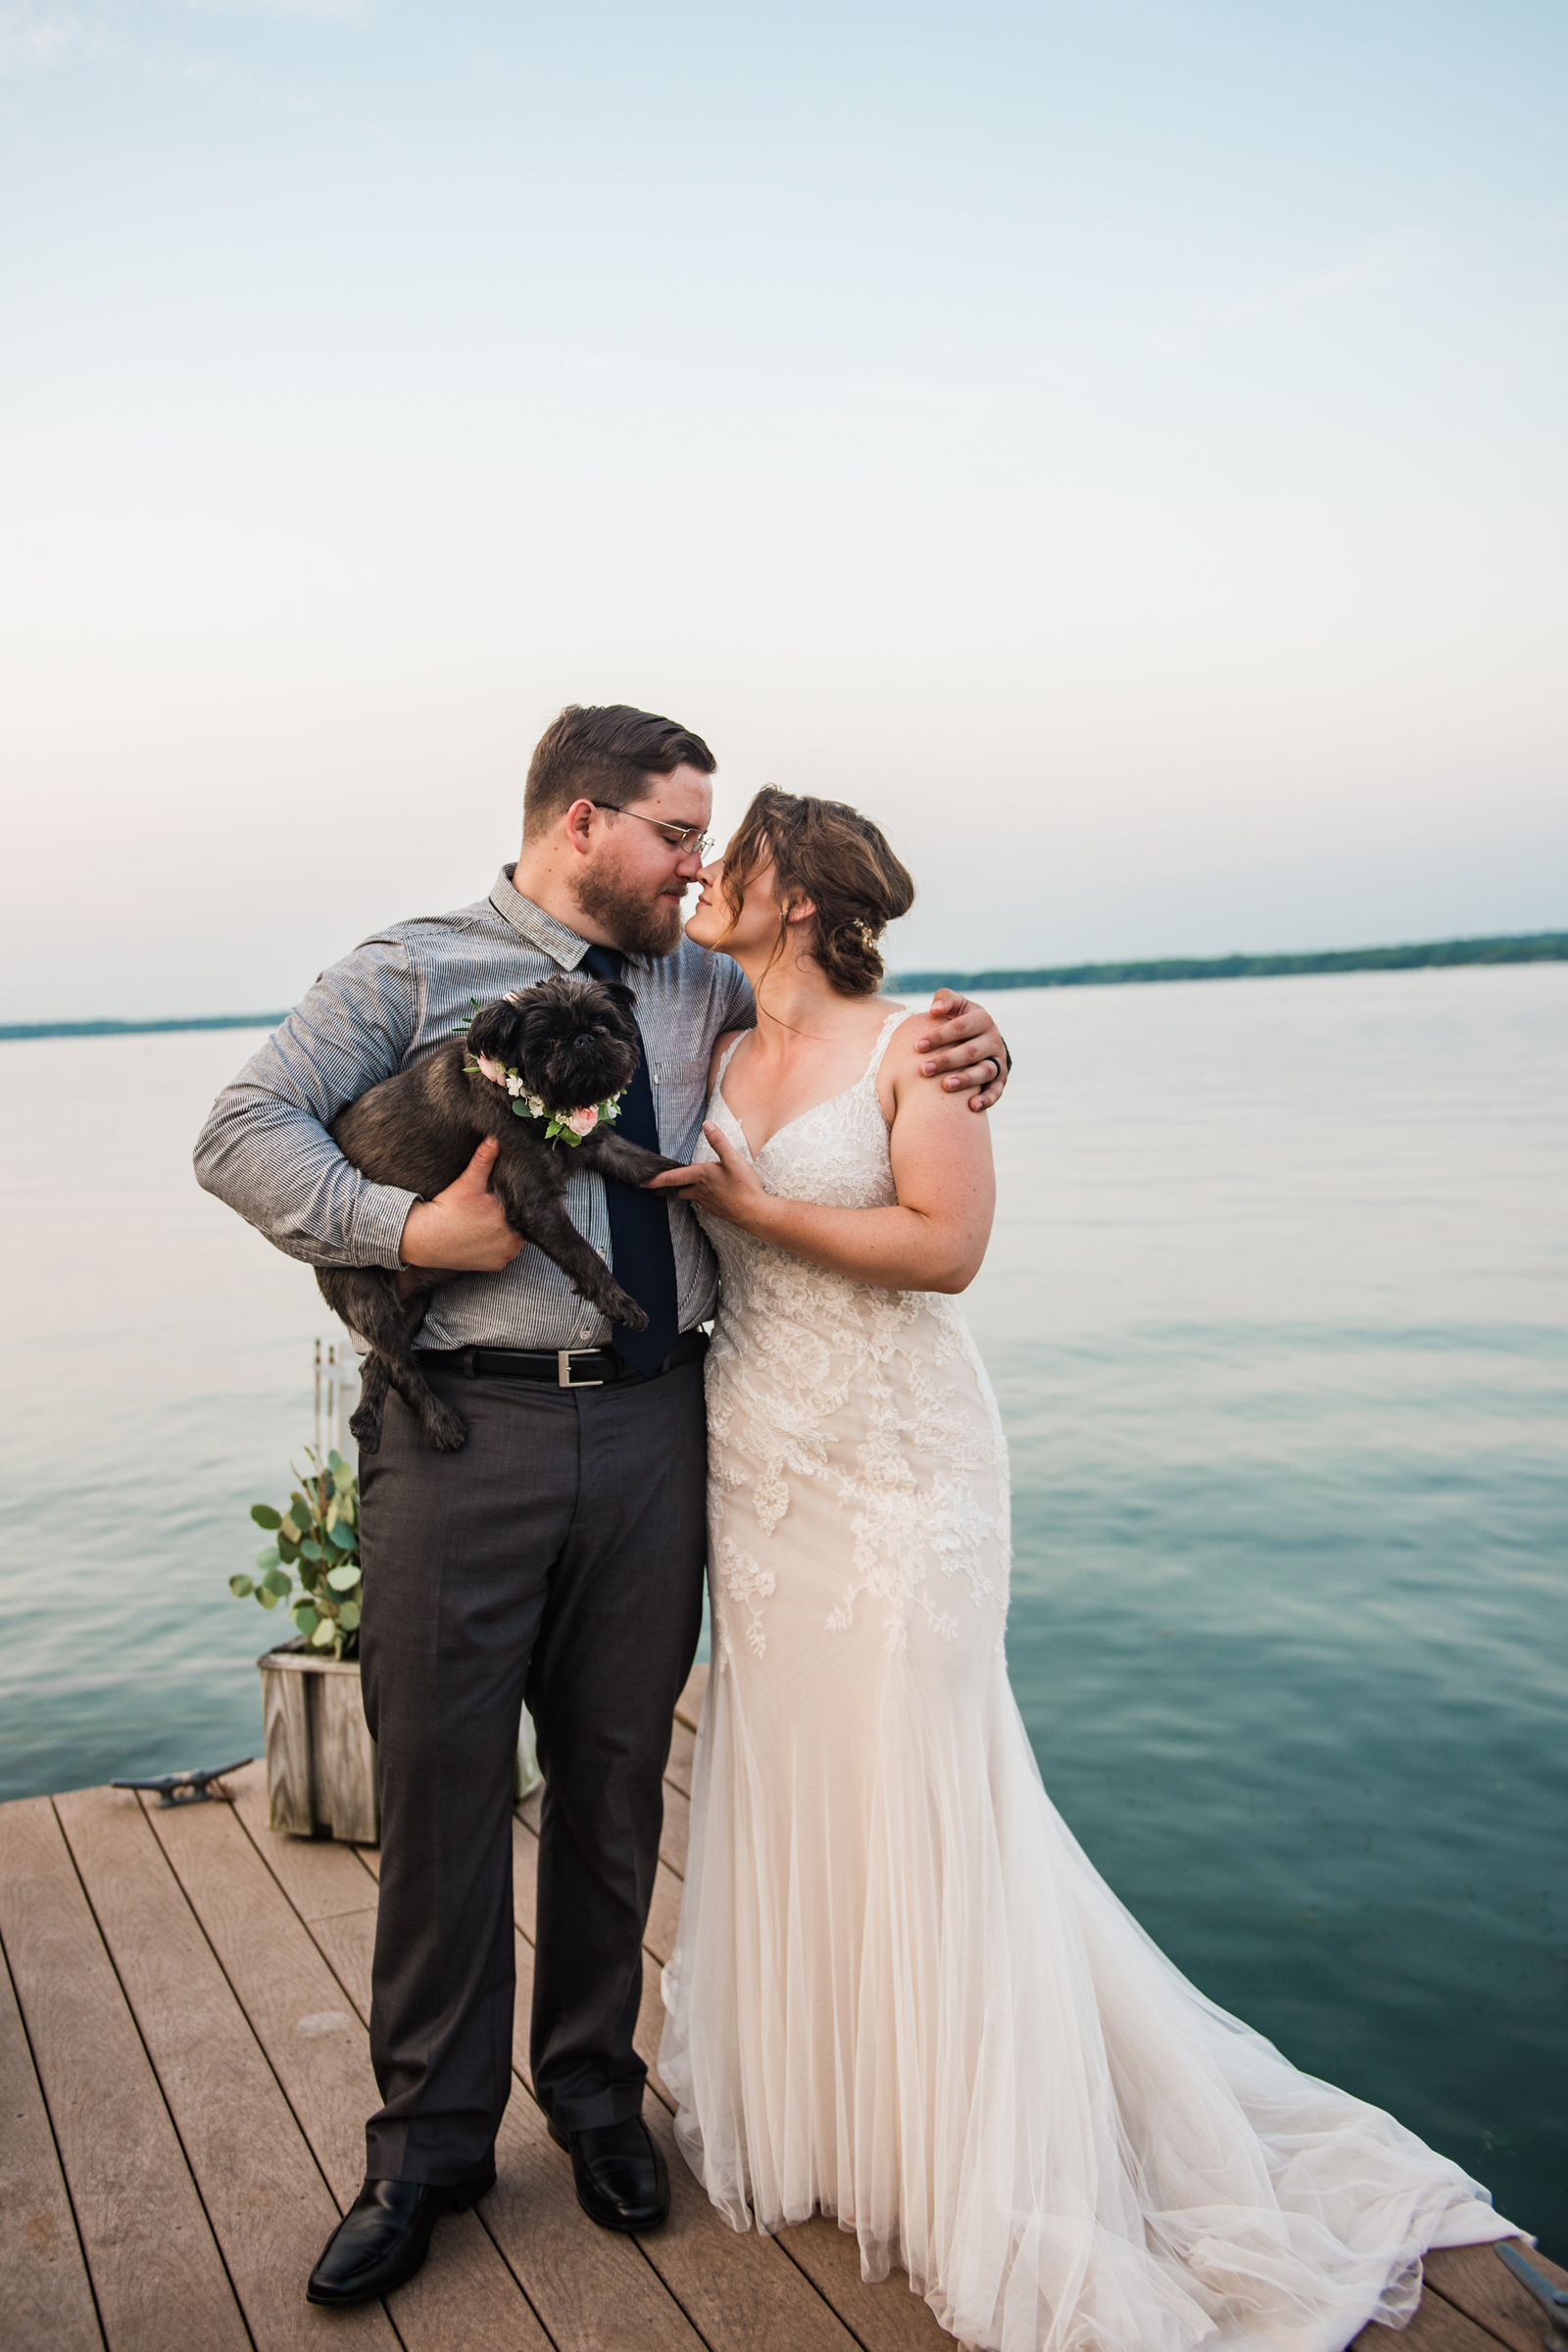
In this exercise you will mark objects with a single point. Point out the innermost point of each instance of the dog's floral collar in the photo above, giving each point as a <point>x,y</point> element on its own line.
<point>564,1126</point>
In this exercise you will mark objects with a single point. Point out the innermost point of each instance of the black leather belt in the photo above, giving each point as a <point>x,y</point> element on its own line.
<point>562,1367</point>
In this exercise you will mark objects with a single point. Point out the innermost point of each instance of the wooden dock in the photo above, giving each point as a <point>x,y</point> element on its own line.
<point>184,2079</point>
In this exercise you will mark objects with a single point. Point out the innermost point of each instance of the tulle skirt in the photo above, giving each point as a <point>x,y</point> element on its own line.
<point>901,1995</point>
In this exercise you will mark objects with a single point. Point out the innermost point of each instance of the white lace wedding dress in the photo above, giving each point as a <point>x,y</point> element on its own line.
<point>901,1993</point>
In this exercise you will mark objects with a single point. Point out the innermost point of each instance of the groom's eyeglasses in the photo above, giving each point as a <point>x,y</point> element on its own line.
<point>679,837</point>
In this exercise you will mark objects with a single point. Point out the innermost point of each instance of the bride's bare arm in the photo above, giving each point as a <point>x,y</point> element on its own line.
<point>933,1240</point>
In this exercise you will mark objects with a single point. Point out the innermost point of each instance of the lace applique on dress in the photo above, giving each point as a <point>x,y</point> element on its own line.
<point>744,1586</point>
<point>876,1397</point>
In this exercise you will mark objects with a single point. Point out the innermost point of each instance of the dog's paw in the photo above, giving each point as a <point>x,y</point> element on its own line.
<point>445,1432</point>
<point>625,1310</point>
<point>365,1427</point>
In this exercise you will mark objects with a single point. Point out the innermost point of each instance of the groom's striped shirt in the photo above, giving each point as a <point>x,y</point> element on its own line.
<point>265,1150</point>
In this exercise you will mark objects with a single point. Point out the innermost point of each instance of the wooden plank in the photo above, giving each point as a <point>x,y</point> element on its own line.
<point>1477,2282</point>
<point>576,2274</point>
<point>689,1705</point>
<point>1436,2328</point>
<point>677,1831</point>
<point>738,2291</point>
<point>48,2303</point>
<point>585,2286</point>
<point>772,2295</point>
<point>268,2204</point>
<point>593,2290</point>
<point>736,2288</point>
<point>886,2318</point>
<point>524,1876</point>
<point>129,2183</point>
<point>649,2031</point>
<point>347,1940</point>
<point>313,2031</point>
<point>682,1747</point>
<point>663,1914</point>
<point>319,1876</point>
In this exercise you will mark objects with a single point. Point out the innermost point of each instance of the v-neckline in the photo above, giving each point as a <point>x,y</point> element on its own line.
<point>739,1123</point>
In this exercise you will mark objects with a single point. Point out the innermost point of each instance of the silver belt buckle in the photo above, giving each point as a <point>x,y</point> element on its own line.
<point>564,1379</point>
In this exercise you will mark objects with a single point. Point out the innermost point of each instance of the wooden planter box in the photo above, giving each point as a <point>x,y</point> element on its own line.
<point>320,1758</point>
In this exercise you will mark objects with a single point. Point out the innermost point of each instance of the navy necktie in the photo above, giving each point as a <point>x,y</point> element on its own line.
<point>639,1222</point>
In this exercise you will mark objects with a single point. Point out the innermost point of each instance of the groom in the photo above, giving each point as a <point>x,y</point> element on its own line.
<point>556,1561</point>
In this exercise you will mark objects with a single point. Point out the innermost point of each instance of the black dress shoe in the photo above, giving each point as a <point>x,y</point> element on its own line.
<point>622,2181</point>
<point>385,2236</point>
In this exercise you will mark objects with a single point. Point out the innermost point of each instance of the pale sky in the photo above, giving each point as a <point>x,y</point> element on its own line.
<point>1120,447</point>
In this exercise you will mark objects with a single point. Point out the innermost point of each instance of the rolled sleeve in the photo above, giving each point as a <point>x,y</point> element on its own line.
<point>264,1148</point>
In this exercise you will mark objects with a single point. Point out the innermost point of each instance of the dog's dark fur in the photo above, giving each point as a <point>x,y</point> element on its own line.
<point>574,1041</point>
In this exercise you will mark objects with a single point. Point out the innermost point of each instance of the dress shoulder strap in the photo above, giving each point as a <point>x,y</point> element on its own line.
<point>881,1047</point>
<point>726,1058</point>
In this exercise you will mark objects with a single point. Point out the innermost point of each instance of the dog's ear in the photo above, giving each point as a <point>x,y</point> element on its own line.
<point>497,1030</point>
<point>622,994</point>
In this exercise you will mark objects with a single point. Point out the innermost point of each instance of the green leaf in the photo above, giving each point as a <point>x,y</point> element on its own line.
<point>344,1537</point>
<point>240,1586</point>
<point>343,1580</point>
<point>287,1551</point>
<point>348,1616</point>
<point>334,1461</point>
<point>310,1550</point>
<point>306,1618</point>
<point>269,1601</point>
<point>343,1479</point>
<point>291,1534</point>
<point>265,1516</point>
<point>266,1557</point>
<point>279,1581</point>
<point>324,1632</point>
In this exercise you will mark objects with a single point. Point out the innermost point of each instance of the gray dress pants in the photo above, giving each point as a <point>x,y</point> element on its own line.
<point>558,1559</point>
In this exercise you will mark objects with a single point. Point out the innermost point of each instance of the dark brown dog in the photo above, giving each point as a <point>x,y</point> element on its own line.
<point>571,1042</point>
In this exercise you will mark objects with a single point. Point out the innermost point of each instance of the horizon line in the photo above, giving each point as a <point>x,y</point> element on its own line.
<point>1512,947</point>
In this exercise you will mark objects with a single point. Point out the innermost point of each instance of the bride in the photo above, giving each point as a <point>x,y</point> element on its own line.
<point>899,1992</point>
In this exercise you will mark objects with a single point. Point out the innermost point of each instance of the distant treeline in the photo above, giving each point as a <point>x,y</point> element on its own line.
<point>1533,946</point>
<point>210,1020</point>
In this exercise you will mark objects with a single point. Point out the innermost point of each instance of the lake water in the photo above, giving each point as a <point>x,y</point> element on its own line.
<point>1277,1308</point>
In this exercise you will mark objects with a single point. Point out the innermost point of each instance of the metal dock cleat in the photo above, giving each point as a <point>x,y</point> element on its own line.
<point>191,1787</point>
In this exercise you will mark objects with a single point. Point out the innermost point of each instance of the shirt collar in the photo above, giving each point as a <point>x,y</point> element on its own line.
<point>541,930</point>
<point>531,922</point>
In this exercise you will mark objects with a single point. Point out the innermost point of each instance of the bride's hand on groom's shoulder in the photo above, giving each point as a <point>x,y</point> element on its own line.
<point>726,1187</point>
<point>962,1044</point>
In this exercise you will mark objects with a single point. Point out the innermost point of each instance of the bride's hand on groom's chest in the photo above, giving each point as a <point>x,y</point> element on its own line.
<point>727,1187</point>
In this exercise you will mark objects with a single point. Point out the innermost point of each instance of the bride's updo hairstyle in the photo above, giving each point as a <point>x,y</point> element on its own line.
<point>830,853</point>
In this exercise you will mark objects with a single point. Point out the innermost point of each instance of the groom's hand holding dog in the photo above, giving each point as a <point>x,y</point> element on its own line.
<point>465,1228</point>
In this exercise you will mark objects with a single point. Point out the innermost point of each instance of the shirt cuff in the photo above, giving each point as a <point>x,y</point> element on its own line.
<point>380,1215</point>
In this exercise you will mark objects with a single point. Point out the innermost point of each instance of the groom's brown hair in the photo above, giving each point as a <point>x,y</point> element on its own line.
<point>604,752</point>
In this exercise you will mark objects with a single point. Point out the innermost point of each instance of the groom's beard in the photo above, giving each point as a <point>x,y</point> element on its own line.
<point>638,926</point>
